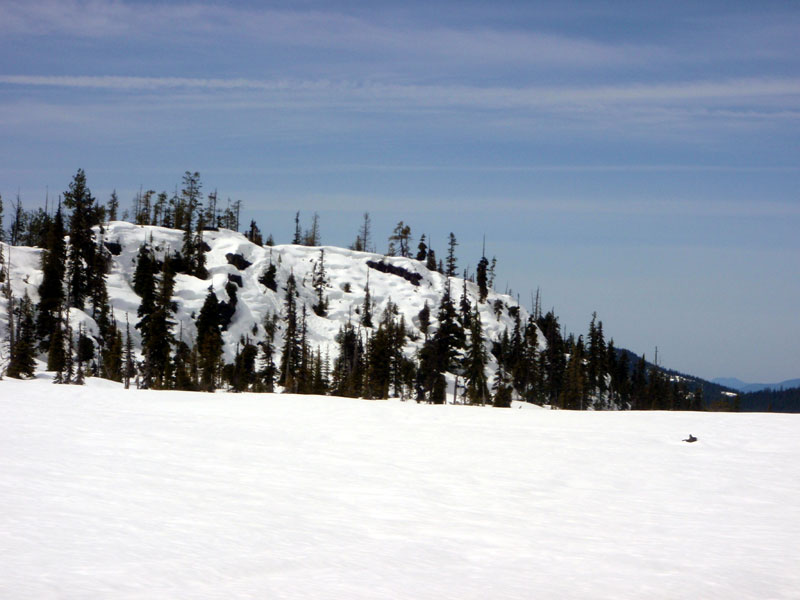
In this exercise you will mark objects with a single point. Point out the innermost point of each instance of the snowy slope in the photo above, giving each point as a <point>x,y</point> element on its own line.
<point>108,493</point>
<point>345,268</point>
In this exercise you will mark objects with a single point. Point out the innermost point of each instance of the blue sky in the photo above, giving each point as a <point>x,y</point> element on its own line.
<point>637,159</point>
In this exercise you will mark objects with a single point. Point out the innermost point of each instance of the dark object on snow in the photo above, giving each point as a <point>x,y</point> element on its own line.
<point>238,261</point>
<point>237,279</point>
<point>113,247</point>
<point>690,439</point>
<point>413,278</point>
<point>204,247</point>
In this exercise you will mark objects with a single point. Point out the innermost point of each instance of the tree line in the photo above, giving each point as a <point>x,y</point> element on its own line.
<point>563,371</point>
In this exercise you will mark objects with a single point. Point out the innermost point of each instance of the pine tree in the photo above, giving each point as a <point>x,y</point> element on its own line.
<point>475,363</point>
<point>291,356</point>
<point>56,355</point>
<point>298,236</point>
<point>363,238</point>
<point>22,362</point>
<point>401,235</point>
<point>430,263</point>
<point>157,338</point>
<point>366,310</point>
<point>320,282</point>
<point>129,366</point>
<point>424,319</point>
<point>451,256</point>
<point>51,290</point>
<point>312,236</point>
<point>209,342</point>
<point>267,278</point>
<point>81,245</point>
<point>422,252</point>
<point>481,279</point>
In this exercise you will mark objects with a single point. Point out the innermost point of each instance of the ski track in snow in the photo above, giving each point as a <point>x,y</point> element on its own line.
<point>108,493</point>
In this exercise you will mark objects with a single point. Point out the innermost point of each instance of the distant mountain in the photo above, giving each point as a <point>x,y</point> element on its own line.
<point>743,386</point>
<point>783,401</point>
<point>714,392</point>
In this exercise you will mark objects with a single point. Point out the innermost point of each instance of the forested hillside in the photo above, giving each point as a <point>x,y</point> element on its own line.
<point>175,298</point>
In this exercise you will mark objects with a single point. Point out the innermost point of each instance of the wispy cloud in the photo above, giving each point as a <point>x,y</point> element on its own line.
<point>734,91</point>
<point>104,19</point>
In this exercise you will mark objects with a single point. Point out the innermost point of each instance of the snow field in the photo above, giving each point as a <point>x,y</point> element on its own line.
<point>108,493</point>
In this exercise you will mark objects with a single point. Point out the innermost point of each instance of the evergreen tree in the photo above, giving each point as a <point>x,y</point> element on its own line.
<point>298,236</point>
<point>112,206</point>
<point>112,355</point>
<point>292,352</point>
<point>254,234</point>
<point>51,290</point>
<point>157,338</point>
<point>451,256</point>
<point>244,368</point>
<point>501,390</point>
<point>22,361</point>
<point>312,236</point>
<point>425,319</point>
<point>573,394</point>
<point>363,237</point>
<point>79,199</point>
<point>320,282</point>
<point>56,355</point>
<point>349,366</point>
<point>481,279</point>
<point>209,342</point>
<point>639,385</point>
<point>366,311</point>
<point>267,278</point>
<point>475,363</point>
<point>129,366</point>
<point>430,263</point>
<point>422,253</point>
<point>401,235</point>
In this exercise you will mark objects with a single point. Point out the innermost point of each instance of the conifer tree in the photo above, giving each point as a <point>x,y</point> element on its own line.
<point>112,354</point>
<point>366,311</point>
<point>422,249</point>
<point>56,355</point>
<point>51,290</point>
<point>320,282</point>
<point>79,199</point>
<point>112,206</point>
<point>22,361</point>
<point>481,279</point>
<point>501,390</point>
<point>349,366</point>
<point>401,235</point>
<point>475,362</point>
<point>451,256</point>
<point>291,355</point>
<point>267,278</point>
<point>424,319</point>
<point>298,236</point>
<point>129,366</point>
<point>157,335</point>
<point>209,342</point>
<point>430,263</point>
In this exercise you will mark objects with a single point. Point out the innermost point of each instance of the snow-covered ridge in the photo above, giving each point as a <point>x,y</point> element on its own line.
<point>347,274</point>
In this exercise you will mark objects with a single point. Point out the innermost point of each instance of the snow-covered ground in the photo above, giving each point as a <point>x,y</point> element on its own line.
<point>107,493</point>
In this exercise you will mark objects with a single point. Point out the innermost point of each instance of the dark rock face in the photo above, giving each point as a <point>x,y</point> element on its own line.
<point>238,261</point>
<point>412,278</point>
<point>113,247</point>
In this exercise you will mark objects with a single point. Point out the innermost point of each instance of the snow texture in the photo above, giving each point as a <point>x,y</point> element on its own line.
<point>108,493</point>
<point>345,269</point>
